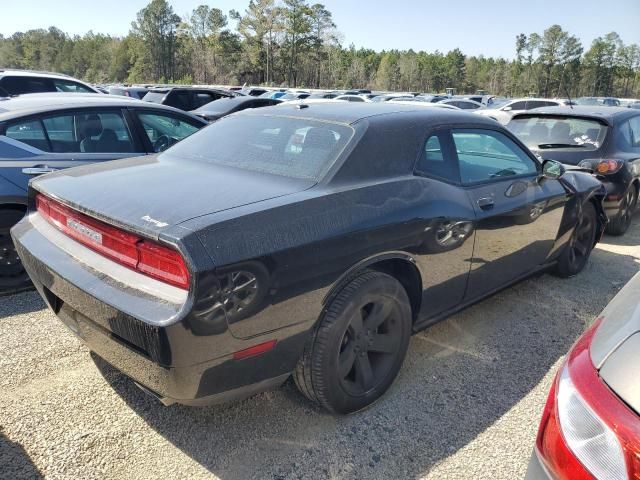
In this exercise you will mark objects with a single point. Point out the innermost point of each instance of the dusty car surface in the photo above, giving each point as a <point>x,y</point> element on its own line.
<point>304,239</point>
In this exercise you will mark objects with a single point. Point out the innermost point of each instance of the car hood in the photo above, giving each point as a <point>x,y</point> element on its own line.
<point>150,194</point>
<point>615,348</point>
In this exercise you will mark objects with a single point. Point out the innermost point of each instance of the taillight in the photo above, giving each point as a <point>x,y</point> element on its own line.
<point>586,432</point>
<point>144,256</point>
<point>607,167</point>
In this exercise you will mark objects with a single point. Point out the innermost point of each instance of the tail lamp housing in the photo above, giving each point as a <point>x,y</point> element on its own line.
<point>586,431</point>
<point>150,258</point>
<point>603,167</point>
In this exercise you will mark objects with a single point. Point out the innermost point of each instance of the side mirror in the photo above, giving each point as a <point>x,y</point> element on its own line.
<point>552,169</point>
<point>507,109</point>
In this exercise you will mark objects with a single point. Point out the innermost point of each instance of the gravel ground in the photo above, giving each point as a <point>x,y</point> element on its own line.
<point>466,404</point>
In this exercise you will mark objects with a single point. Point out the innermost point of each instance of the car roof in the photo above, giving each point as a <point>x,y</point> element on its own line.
<point>35,103</point>
<point>353,112</point>
<point>608,114</point>
<point>9,72</point>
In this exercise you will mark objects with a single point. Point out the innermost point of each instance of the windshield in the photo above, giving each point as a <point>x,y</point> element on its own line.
<point>290,147</point>
<point>559,132</point>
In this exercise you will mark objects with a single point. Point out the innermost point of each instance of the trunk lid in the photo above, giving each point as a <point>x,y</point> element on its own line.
<point>150,194</point>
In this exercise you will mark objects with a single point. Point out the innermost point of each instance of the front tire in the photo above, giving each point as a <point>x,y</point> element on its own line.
<point>13,276</point>
<point>359,345</point>
<point>576,254</point>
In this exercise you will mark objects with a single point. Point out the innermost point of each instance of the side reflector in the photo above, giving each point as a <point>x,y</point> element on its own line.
<point>255,350</point>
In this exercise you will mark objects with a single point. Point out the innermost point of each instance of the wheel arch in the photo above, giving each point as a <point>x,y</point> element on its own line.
<point>596,198</point>
<point>399,265</point>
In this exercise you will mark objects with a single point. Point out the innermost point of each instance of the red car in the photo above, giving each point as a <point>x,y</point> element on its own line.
<point>590,426</point>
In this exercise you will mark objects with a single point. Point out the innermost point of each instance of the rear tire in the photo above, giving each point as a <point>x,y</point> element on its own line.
<point>576,254</point>
<point>622,222</point>
<point>358,346</point>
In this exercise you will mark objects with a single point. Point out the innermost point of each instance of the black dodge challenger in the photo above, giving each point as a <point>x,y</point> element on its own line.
<point>309,240</point>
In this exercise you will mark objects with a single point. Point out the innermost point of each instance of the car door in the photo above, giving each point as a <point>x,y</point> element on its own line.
<point>518,214</point>
<point>67,139</point>
<point>447,231</point>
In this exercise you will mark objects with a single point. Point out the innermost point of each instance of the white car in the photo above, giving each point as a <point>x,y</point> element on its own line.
<point>401,101</point>
<point>503,110</point>
<point>352,98</point>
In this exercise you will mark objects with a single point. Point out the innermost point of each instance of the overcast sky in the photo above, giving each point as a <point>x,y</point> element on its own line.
<point>487,27</point>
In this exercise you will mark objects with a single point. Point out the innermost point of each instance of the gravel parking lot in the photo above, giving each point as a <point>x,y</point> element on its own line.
<point>466,404</point>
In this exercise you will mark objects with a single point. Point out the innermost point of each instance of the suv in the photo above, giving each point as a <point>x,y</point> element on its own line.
<point>187,98</point>
<point>19,82</point>
<point>41,133</point>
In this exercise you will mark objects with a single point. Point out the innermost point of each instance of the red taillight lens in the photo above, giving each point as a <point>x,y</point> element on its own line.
<point>151,259</point>
<point>586,431</point>
<point>159,262</point>
<point>606,167</point>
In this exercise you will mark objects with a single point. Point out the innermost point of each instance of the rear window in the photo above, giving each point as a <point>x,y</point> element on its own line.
<point>547,132</point>
<point>289,147</point>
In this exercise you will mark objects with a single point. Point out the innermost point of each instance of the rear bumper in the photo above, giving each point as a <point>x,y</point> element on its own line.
<point>614,198</point>
<point>147,338</point>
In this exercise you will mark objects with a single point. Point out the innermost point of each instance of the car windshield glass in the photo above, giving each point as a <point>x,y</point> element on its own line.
<point>290,147</point>
<point>559,132</point>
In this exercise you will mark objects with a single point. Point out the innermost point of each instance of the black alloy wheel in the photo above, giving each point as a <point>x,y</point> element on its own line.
<point>358,346</point>
<point>369,347</point>
<point>575,255</point>
<point>621,224</point>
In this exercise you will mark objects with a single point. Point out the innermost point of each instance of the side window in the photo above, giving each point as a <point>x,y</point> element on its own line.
<point>485,155</point>
<point>634,127</point>
<point>179,99</point>
<point>518,105</point>
<point>70,86</point>
<point>20,85</point>
<point>89,132</point>
<point>434,163</point>
<point>537,104</point>
<point>202,98</point>
<point>61,131</point>
<point>29,132</point>
<point>165,130</point>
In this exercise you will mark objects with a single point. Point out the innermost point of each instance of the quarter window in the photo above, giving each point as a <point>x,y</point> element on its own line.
<point>29,132</point>
<point>485,155</point>
<point>634,130</point>
<point>433,161</point>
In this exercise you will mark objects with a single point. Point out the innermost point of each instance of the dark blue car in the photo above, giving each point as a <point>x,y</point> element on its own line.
<point>40,133</point>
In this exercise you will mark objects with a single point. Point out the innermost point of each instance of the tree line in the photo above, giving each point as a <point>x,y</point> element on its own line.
<point>294,43</point>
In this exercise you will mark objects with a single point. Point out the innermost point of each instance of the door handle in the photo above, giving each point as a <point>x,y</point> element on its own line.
<point>38,170</point>
<point>486,203</point>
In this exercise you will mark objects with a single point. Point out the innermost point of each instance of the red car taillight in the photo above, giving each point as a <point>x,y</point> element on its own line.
<point>586,431</point>
<point>147,257</point>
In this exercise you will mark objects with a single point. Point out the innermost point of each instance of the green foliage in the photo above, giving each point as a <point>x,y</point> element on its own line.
<point>295,43</point>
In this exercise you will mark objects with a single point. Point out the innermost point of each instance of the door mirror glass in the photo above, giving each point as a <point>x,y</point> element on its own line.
<point>552,169</point>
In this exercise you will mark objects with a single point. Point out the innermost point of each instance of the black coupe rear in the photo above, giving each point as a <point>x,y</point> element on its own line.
<point>307,240</point>
<point>605,140</point>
